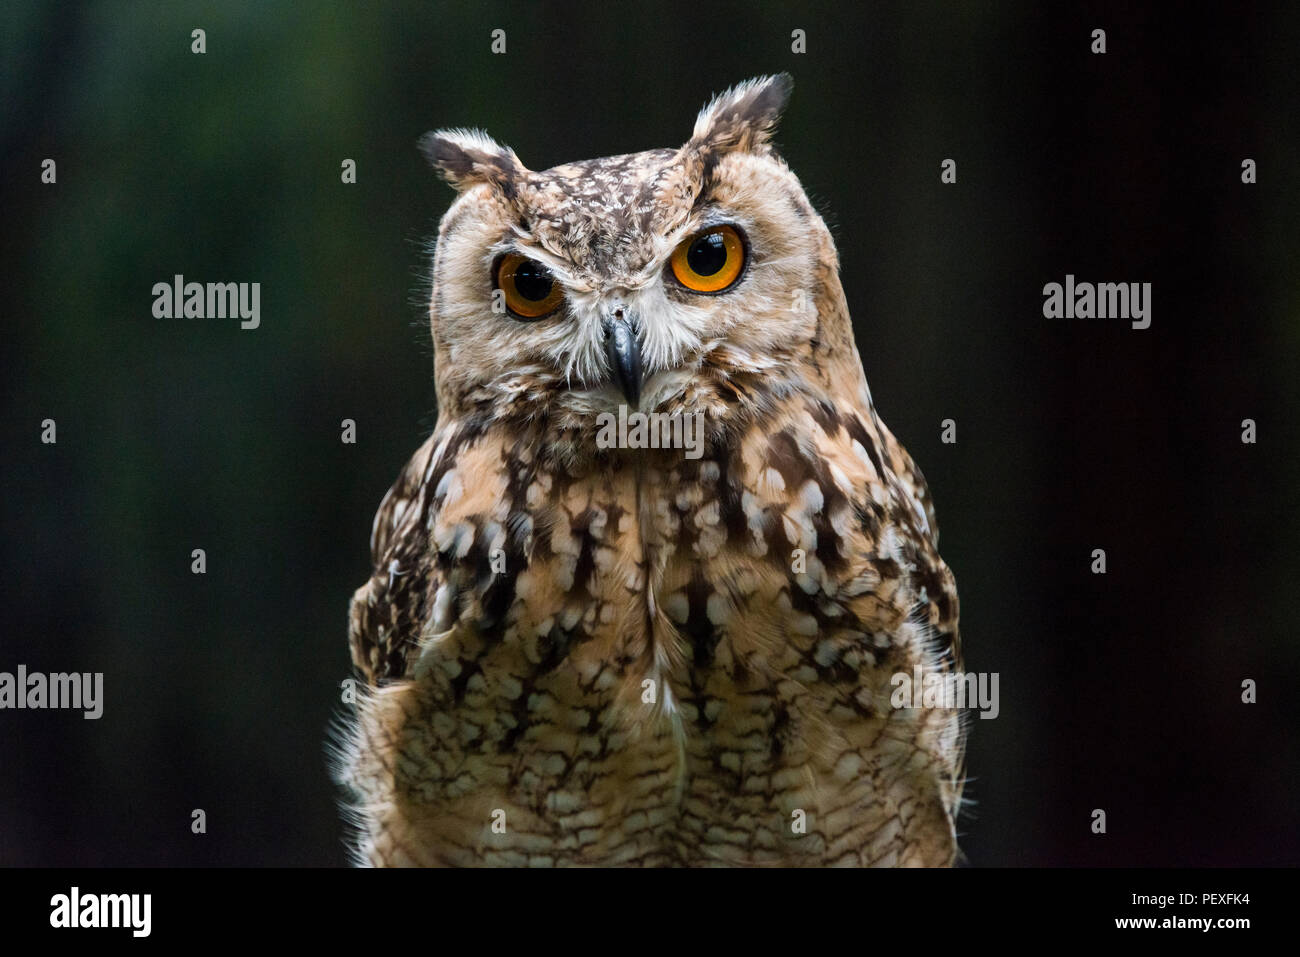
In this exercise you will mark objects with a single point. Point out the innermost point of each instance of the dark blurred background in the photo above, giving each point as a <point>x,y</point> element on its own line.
<point>1119,692</point>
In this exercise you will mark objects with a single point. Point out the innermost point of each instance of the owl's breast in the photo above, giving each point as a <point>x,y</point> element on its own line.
<point>667,661</point>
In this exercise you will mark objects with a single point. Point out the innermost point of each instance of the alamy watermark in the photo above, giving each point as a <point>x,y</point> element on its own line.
<point>944,689</point>
<point>179,299</point>
<point>1102,300</point>
<point>75,909</point>
<point>78,691</point>
<point>651,430</point>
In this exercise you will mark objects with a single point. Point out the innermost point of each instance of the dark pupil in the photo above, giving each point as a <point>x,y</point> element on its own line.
<point>533,281</point>
<point>707,254</point>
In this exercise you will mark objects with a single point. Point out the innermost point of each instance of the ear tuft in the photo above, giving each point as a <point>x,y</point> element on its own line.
<point>744,117</point>
<point>465,158</point>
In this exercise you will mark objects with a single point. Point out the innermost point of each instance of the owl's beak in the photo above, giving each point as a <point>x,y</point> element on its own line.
<point>624,354</point>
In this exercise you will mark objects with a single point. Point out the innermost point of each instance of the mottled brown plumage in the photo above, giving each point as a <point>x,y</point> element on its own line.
<point>585,655</point>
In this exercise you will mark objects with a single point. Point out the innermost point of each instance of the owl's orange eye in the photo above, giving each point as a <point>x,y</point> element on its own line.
<point>710,261</point>
<point>531,292</point>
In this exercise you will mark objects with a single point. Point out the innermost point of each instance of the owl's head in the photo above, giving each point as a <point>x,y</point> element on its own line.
<point>697,279</point>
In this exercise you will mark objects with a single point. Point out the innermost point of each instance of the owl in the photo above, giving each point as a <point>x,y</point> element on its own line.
<point>589,641</point>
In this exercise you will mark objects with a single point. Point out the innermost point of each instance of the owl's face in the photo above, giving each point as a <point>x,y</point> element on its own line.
<point>669,280</point>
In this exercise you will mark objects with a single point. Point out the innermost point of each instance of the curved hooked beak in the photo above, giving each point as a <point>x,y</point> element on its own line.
<point>624,354</point>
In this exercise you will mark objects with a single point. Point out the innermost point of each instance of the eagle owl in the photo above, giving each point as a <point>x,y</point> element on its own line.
<point>632,652</point>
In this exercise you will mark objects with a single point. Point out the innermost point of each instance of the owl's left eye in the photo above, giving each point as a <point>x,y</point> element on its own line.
<point>531,292</point>
<point>710,261</point>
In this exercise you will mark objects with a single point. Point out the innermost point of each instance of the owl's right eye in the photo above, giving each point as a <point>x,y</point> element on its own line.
<point>531,292</point>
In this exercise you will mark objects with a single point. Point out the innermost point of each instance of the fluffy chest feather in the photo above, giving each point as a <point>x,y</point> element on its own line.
<point>660,660</point>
